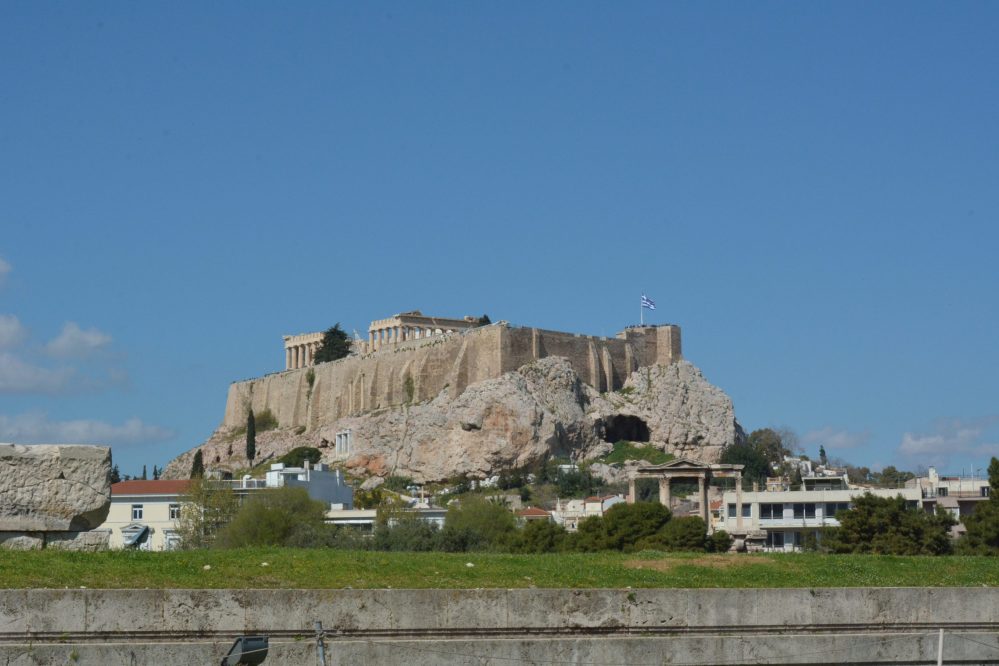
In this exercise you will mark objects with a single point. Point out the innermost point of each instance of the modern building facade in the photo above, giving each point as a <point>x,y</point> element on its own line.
<point>782,520</point>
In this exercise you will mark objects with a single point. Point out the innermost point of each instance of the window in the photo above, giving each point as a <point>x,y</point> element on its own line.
<point>775,539</point>
<point>136,512</point>
<point>174,512</point>
<point>809,511</point>
<point>832,508</point>
<point>771,511</point>
<point>941,492</point>
<point>799,511</point>
<point>746,511</point>
<point>985,491</point>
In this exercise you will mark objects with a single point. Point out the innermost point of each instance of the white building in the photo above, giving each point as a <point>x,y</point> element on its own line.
<point>958,495</point>
<point>569,513</point>
<point>145,514</point>
<point>781,520</point>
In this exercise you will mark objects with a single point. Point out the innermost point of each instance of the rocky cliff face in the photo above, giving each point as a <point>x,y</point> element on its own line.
<point>520,418</point>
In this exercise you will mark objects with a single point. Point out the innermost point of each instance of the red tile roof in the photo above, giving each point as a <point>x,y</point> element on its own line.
<point>533,511</point>
<point>157,487</point>
<point>599,498</point>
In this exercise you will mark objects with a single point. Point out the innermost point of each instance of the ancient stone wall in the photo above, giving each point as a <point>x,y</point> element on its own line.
<point>420,369</point>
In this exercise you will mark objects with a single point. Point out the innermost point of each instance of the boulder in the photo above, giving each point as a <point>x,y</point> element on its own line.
<point>52,487</point>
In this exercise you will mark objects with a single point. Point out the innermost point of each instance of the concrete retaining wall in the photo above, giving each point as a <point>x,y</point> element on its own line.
<point>807,626</point>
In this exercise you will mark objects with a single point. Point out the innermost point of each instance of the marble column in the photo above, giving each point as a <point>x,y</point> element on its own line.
<point>631,491</point>
<point>738,500</point>
<point>287,358</point>
<point>664,492</point>
<point>702,496</point>
<point>294,357</point>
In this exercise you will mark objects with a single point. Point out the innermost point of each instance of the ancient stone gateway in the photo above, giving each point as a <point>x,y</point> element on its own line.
<point>685,468</point>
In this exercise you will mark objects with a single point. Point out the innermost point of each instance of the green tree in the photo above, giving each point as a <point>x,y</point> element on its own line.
<point>538,536</point>
<point>982,536</point>
<point>894,478</point>
<point>197,465</point>
<point>143,477</point>
<point>684,533</point>
<point>334,345</point>
<point>886,526</point>
<point>484,525</point>
<point>483,320</point>
<point>757,467</point>
<point>627,524</point>
<point>406,532</point>
<point>273,518</point>
<point>115,474</point>
<point>205,508</point>
<point>251,437</point>
<point>823,460</point>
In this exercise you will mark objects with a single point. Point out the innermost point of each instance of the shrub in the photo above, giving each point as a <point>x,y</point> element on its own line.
<point>408,387</point>
<point>719,542</point>
<point>298,455</point>
<point>625,451</point>
<point>266,420</point>
<point>483,525</point>
<point>627,524</point>
<point>397,484</point>
<point>274,518</point>
<point>685,533</point>
<point>407,533</point>
<point>538,536</point>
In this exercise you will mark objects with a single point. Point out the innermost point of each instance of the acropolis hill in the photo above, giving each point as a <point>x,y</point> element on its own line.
<point>431,397</point>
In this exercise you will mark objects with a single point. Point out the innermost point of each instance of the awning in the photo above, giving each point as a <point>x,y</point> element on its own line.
<point>132,534</point>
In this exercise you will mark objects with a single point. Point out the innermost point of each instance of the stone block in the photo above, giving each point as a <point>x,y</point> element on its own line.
<point>22,540</point>
<point>91,541</point>
<point>54,487</point>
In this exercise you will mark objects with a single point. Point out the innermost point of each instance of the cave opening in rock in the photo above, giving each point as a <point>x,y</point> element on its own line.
<point>626,427</point>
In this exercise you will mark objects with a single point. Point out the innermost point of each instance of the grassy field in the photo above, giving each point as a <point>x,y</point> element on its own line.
<point>288,568</point>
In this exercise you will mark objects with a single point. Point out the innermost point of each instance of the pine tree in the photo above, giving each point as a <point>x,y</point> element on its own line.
<point>143,472</point>
<point>251,437</point>
<point>198,466</point>
<point>335,345</point>
<point>157,472</point>
<point>115,474</point>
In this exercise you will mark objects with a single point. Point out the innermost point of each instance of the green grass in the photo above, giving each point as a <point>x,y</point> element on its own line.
<point>624,451</point>
<point>291,568</point>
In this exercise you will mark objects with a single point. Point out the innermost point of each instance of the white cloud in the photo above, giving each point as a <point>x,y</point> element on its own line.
<point>74,341</point>
<point>17,376</point>
<point>36,428</point>
<point>5,269</point>
<point>949,440</point>
<point>834,439</point>
<point>11,331</point>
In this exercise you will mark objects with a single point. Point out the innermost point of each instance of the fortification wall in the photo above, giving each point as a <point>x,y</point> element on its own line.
<point>321,394</point>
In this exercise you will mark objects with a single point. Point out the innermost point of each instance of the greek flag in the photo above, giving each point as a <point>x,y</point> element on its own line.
<point>648,302</point>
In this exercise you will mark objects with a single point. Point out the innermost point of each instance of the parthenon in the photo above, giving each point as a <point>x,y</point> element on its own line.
<point>413,325</point>
<point>300,349</point>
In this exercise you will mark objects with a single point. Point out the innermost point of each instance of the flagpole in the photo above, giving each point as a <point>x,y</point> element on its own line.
<point>641,313</point>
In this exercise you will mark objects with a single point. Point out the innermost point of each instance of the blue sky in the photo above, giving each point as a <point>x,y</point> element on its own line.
<point>808,189</point>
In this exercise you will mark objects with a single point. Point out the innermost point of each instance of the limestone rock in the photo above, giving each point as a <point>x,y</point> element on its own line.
<point>54,487</point>
<point>685,415</point>
<point>520,418</point>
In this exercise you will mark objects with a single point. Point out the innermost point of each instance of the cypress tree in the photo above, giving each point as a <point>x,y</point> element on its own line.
<point>198,466</point>
<point>251,437</point>
<point>115,474</point>
<point>143,472</point>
